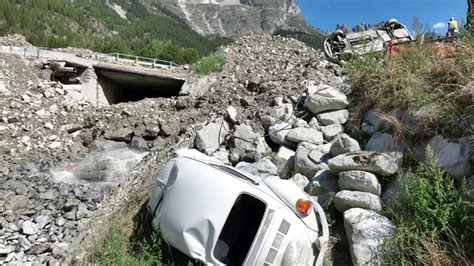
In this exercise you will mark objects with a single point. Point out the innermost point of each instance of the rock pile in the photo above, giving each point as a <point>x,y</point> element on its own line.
<point>309,146</point>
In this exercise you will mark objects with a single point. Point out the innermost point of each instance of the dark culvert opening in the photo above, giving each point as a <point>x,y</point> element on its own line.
<point>122,86</point>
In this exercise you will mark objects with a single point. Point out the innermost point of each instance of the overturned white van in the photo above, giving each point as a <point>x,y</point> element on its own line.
<point>219,215</point>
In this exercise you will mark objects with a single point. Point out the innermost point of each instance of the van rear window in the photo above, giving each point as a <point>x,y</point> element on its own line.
<point>239,230</point>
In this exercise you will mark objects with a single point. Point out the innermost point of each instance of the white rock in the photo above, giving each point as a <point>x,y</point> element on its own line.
<point>331,131</point>
<point>29,228</point>
<point>222,155</point>
<point>285,153</point>
<point>278,132</point>
<point>300,180</point>
<point>359,181</point>
<point>5,250</point>
<point>263,168</point>
<point>326,99</point>
<point>60,249</point>
<point>366,232</point>
<point>335,117</point>
<point>283,112</point>
<point>374,162</point>
<point>309,135</point>
<point>344,144</point>
<point>210,137</point>
<point>246,145</point>
<point>346,199</point>
<point>55,145</point>
<point>231,113</point>
<point>48,125</point>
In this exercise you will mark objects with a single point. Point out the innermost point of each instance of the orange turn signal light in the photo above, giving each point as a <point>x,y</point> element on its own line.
<point>304,206</point>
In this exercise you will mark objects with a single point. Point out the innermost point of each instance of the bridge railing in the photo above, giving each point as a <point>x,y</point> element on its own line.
<point>139,60</point>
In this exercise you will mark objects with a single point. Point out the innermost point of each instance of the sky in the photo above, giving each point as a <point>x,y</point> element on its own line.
<point>326,14</point>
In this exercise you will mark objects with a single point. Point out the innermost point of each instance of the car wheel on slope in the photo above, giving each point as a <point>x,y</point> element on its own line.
<point>337,33</point>
<point>391,22</point>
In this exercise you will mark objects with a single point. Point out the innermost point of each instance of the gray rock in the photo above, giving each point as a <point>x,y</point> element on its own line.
<point>60,250</point>
<point>121,134</point>
<point>309,159</point>
<point>263,168</point>
<point>300,180</point>
<point>453,155</point>
<point>60,221</point>
<point>5,250</point>
<point>383,142</point>
<point>222,155</point>
<point>359,181</point>
<point>210,137</point>
<point>375,121</point>
<point>246,145</point>
<point>323,182</point>
<point>331,131</point>
<point>309,135</point>
<point>83,212</point>
<point>326,99</point>
<point>285,153</point>
<point>366,232</point>
<point>335,117</point>
<point>51,194</point>
<point>278,132</point>
<point>17,202</point>
<point>344,144</point>
<point>139,143</point>
<point>283,112</point>
<point>39,248</point>
<point>374,162</point>
<point>29,228</point>
<point>346,199</point>
<point>43,220</point>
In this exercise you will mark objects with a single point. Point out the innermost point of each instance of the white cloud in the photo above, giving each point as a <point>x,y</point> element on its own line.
<point>440,26</point>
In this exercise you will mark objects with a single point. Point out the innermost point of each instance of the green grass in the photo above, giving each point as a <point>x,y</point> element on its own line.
<point>439,81</point>
<point>210,64</point>
<point>433,218</point>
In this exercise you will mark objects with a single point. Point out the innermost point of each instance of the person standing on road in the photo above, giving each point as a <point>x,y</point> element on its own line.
<point>453,27</point>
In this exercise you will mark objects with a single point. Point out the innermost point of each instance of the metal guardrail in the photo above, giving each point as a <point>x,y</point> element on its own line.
<point>143,61</point>
<point>116,58</point>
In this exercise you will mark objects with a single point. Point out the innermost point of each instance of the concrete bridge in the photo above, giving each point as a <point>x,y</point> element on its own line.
<point>109,79</point>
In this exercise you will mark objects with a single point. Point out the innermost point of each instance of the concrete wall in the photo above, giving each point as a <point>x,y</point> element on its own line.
<point>92,90</point>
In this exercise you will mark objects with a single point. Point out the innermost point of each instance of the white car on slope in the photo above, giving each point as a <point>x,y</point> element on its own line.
<point>219,215</point>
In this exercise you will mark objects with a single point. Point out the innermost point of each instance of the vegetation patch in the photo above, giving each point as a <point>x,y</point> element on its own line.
<point>210,64</point>
<point>434,78</point>
<point>433,218</point>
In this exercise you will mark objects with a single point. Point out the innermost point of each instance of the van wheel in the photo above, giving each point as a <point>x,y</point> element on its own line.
<point>337,33</point>
<point>391,22</point>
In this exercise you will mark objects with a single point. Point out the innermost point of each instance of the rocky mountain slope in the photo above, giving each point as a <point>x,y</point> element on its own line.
<point>233,18</point>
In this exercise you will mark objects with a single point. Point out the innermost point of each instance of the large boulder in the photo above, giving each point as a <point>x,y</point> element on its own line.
<point>359,181</point>
<point>300,180</point>
<point>383,142</point>
<point>263,168</point>
<point>326,99</point>
<point>246,145</point>
<point>344,144</point>
<point>309,135</point>
<point>346,199</point>
<point>374,162</point>
<point>210,137</point>
<point>309,159</point>
<point>334,117</point>
<point>322,185</point>
<point>278,132</point>
<point>375,121</point>
<point>332,131</point>
<point>121,134</point>
<point>453,155</point>
<point>366,232</point>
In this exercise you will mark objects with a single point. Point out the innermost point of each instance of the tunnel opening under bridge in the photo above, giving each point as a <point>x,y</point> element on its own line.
<point>131,85</point>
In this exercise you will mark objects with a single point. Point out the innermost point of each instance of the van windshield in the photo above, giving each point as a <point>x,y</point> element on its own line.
<point>239,230</point>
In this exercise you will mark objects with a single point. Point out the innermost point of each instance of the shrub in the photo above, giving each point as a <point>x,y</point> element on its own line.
<point>210,64</point>
<point>436,78</point>
<point>434,220</point>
